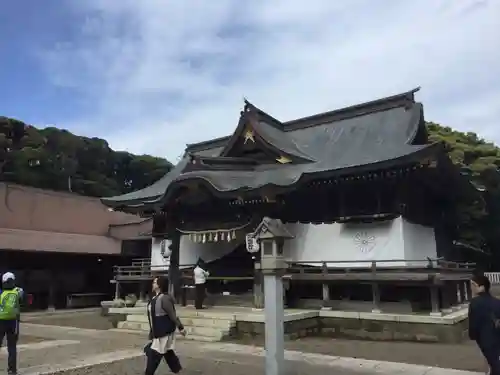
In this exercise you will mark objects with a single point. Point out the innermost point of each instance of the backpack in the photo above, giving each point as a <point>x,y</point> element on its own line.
<point>9,305</point>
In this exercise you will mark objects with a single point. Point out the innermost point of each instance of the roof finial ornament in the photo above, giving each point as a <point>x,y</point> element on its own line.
<point>248,105</point>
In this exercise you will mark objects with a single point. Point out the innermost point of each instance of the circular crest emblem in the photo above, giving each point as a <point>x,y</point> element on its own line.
<point>364,241</point>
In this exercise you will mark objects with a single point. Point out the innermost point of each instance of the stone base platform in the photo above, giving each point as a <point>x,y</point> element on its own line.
<point>248,322</point>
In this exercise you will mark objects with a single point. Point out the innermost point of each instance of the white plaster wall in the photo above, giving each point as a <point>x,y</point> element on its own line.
<point>352,244</point>
<point>191,251</point>
<point>420,241</point>
<point>355,245</point>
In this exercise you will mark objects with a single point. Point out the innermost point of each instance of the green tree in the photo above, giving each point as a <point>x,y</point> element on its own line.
<point>56,159</point>
<point>481,160</point>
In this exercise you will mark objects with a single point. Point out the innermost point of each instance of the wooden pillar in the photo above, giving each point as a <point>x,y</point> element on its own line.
<point>454,290</point>
<point>468,289</point>
<point>375,290</point>
<point>286,288</point>
<point>376,298</point>
<point>434,295</point>
<point>447,295</point>
<point>258,292</point>
<point>143,291</point>
<point>144,284</point>
<point>173,270</point>
<point>326,289</point>
<point>461,292</point>
<point>51,305</point>
<point>117,289</point>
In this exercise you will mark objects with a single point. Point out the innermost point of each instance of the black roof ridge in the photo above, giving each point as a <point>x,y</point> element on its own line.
<point>353,110</point>
<point>195,146</point>
<point>313,120</point>
<point>270,120</point>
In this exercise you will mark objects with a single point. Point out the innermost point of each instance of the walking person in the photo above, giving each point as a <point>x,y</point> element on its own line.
<point>200,279</point>
<point>10,307</point>
<point>163,323</point>
<point>484,321</point>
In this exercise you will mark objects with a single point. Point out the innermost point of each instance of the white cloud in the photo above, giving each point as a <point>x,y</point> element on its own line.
<point>166,73</point>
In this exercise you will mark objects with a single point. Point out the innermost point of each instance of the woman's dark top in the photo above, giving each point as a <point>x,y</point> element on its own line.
<point>162,316</point>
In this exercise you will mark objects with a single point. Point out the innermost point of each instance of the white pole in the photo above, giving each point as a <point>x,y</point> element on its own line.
<point>274,323</point>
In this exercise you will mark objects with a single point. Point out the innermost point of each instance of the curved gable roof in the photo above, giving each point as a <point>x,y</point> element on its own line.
<point>370,136</point>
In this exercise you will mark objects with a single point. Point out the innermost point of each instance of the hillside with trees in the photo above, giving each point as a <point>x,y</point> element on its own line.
<point>56,159</point>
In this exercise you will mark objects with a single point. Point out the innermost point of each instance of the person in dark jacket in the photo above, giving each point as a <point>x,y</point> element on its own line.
<point>163,323</point>
<point>484,321</point>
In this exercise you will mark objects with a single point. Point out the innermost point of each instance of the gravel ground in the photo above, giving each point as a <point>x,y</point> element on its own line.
<point>237,365</point>
<point>461,356</point>
<point>25,339</point>
<point>85,343</point>
<point>464,356</point>
<point>91,320</point>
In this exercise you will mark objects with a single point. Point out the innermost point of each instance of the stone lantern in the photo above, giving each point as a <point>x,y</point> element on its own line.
<point>269,238</point>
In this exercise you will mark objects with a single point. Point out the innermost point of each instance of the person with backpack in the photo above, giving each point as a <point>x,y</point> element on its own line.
<point>10,308</point>
<point>484,321</point>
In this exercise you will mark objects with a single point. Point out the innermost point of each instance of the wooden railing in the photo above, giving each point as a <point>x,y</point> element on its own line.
<point>144,271</point>
<point>142,262</point>
<point>407,265</point>
<point>382,270</point>
<point>141,269</point>
<point>494,277</point>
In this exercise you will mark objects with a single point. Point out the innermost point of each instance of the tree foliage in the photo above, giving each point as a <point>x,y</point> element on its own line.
<point>56,159</point>
<point>479,222</point>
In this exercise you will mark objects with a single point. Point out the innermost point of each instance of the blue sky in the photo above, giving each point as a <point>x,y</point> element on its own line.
<point>152,75</point>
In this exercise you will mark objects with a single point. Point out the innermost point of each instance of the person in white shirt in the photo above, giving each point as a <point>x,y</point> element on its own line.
<point>200,279</point>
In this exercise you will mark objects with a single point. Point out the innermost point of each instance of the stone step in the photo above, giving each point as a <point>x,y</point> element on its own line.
<point>209,313</point>
<point>216,334</point>
<point>136,326</point>
<point>127,310</point>
<point>179,336</point>
<point>221,324</point>
<point>198,338</point>
<point>190,321</point>
<point>136,318</point>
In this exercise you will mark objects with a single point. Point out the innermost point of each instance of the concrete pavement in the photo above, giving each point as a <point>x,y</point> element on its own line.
<point>85,351</point>
<point>223,359</point>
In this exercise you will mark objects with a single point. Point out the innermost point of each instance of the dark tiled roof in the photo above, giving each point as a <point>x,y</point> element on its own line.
<point>366,137</point>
